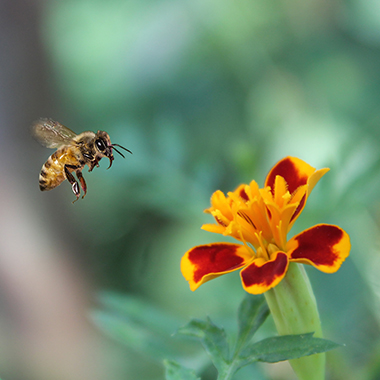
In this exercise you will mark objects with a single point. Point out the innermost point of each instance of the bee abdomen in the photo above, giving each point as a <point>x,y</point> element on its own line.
<point>43,180</point>
<point>51,174</point>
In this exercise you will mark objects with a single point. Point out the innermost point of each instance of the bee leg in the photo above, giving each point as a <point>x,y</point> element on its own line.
<point>92,166</point>
<point>82,181</point>
<point>71,179</point>
<point>94,163</point>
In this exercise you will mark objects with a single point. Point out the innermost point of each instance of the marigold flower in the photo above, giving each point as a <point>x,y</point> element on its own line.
<point>260,219</point>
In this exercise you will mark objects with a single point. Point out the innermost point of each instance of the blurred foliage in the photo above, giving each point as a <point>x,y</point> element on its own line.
<point>209,94</point>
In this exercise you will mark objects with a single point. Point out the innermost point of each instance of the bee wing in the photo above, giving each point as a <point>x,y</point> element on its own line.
<point>52,134</point>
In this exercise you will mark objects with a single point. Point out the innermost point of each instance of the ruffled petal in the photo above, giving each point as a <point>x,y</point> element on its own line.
<point>261,275</point>
<point>241,192</point>
<point>224,210</point>
<point>216,228</point>
<point>315,177</point>
<point>279,220</point>
<point>324,246</point>
<point>205,262</point>
<point>295,172</point>
<point>222,205</point>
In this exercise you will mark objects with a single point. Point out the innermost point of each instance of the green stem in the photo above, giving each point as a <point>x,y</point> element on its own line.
<point>294,310</point>
<point>228,375</point>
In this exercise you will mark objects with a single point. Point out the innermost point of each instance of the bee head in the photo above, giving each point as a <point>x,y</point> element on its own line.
<point>104,147</point>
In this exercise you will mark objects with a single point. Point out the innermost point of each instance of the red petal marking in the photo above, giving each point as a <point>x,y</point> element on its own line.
<point>269,213</point>
<point>220,221</point>
<point>265,275</point>
<point>214,258</point>
<point>244,215</point>
<point>317,245</point>
<point>299,208</point>
<point>287,169</point>
<point>243,195</point>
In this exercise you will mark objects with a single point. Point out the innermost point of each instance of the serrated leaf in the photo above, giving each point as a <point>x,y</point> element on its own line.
<point>175,371</point>
<point>287,347</point>
<point>252,313</point>
<point>213,339</point>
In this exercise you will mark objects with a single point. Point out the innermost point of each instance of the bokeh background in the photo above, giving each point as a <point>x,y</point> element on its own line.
<point>207,94</point>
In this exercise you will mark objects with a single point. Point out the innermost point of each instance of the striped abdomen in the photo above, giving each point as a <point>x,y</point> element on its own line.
<point>53,171</point>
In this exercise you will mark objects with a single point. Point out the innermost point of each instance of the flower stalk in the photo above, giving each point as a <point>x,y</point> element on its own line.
<point>294,311</point>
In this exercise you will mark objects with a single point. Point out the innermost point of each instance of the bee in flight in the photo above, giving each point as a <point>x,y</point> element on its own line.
<point>73,153</point>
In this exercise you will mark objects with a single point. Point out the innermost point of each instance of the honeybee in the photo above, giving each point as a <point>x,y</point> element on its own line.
<point>73,153</point>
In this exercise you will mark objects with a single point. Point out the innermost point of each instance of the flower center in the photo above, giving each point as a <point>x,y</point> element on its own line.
<point>265,250</point>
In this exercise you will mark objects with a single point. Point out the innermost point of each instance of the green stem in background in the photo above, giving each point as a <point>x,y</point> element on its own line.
<point>294,310</point>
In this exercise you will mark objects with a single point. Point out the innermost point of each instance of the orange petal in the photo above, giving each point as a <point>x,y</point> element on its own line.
<point>221,203</point>
<point>261,275</point>
<point>205,262</point>
<point>216,228</point>
<point>295,172</point>
<point>241,192</point>
<point>324,246</point>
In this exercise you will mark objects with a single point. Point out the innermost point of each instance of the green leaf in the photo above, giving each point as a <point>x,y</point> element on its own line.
<point>252,313</point>
<point>286,347</point>
<point>212,338</point>
<point>175,371</point>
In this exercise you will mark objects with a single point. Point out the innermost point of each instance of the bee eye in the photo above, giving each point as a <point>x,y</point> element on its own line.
<point>100,144</point>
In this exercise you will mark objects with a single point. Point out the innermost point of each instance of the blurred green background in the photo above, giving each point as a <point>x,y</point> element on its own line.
<point>207,95</point>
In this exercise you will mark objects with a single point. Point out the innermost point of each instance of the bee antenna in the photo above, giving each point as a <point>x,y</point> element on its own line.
<point>122,155</point>
<point>122,148</point>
